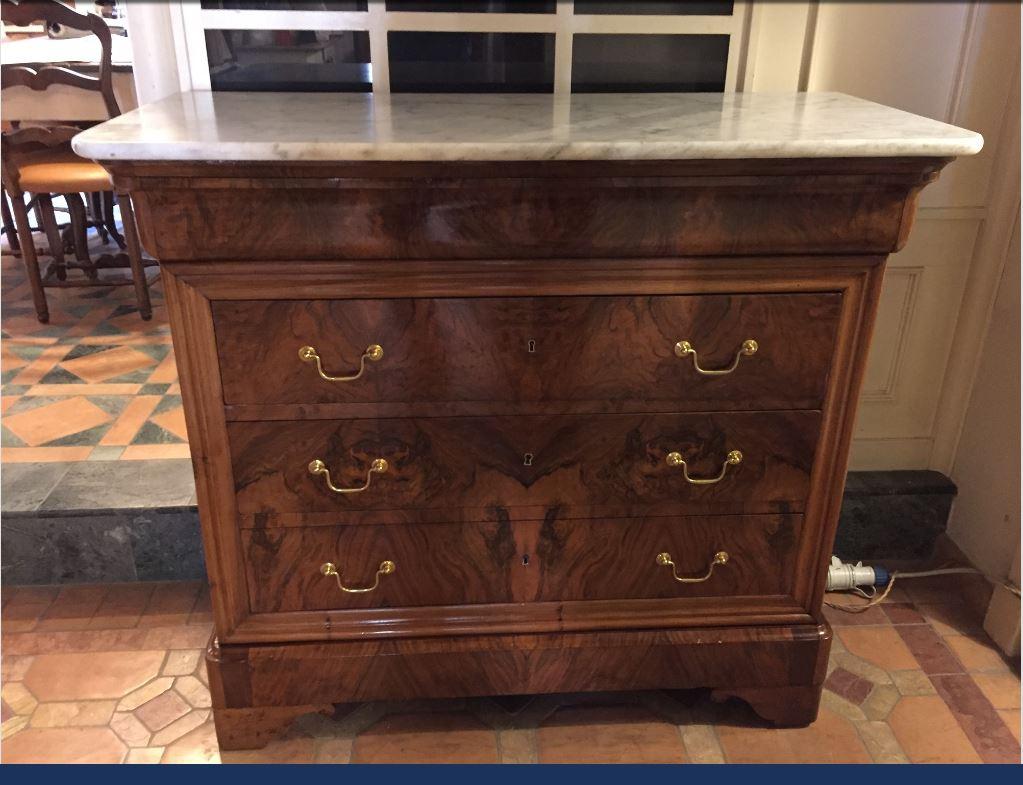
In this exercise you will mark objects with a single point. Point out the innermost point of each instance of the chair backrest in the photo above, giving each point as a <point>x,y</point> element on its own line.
<point>27,12</point>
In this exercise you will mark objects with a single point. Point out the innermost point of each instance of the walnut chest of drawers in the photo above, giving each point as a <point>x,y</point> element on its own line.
<point>480,427</point>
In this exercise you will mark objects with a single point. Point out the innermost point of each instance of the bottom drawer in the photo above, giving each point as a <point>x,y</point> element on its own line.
<point>530,561</point>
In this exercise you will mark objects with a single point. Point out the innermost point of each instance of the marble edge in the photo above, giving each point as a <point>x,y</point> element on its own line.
<point>100,150</point>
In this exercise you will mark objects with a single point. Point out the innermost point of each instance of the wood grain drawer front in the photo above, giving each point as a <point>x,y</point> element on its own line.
<point>468,468</point>
<point>541,349</point>
<point>478,563</point>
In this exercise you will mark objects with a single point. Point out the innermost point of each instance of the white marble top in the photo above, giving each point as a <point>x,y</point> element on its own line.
<point>362,127</point>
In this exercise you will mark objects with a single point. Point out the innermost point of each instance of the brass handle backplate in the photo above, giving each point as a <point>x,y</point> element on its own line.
<point>373,353</point>
<point>379,466</point>
<point>664,560</point>
<point>386,568</point>
<point>685,349</point>
<point>734,458</point>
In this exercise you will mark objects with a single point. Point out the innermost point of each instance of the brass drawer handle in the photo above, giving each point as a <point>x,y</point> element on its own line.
<point>373,353</point>
<point>664,560</point>
<point>379,466</point>
<point>685,349</point>
<point>734,458</point>
<point>385,568</point>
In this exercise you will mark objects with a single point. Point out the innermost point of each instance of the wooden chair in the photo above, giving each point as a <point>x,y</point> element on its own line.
<point>39,162</point>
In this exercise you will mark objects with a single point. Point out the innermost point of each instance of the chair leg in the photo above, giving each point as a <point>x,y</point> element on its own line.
<point>49,221</point>
<point>138,270</point>
<point>28,253</point>
<point>96,216</point>
<point>9,228</point>
<point>108,218</point>
<point>79,233</point>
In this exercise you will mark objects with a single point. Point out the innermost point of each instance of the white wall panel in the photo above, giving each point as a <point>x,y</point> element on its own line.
<point>913,340</point>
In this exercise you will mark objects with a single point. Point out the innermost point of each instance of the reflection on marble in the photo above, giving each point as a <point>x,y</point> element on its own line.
<point>364,127</point>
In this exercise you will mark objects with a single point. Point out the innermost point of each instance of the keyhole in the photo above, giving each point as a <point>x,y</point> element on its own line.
<point>527,459</point>
<point>525,560</point>
<point>531,347</point>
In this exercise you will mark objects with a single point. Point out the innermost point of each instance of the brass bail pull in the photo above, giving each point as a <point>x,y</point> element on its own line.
<point>330,569</point>
<point>685,349</point>
<point>664,560</point>
<point>379,466</point>
<point>373,353</point>
<point>734,458</point>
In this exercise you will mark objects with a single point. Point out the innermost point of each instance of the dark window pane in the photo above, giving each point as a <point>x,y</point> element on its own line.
<point>649,63</point>
<point>665,7</point>
<point>286,5</point>
<point>475,6</point>
<point>471,62</point>
<point>299,61</point>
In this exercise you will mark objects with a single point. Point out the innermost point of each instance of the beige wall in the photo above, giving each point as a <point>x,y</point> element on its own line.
<point>956,62</point>
<point>953,62</point>
<point>943,382</point>
<point>985,520</point>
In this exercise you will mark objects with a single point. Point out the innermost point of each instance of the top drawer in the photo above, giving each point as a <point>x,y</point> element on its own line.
<point>612,352</point>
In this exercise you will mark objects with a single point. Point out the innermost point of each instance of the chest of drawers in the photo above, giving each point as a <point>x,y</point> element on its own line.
<point>479,427</point>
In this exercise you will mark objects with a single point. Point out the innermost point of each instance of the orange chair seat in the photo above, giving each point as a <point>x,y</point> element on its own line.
<point>64,175</point>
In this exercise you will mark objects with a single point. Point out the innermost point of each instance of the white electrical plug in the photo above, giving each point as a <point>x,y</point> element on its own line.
<point>842,577</point>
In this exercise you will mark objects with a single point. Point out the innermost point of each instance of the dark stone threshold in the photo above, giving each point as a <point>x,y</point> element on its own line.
<point>893,515</point>
<point>885,515</point>
<point>921,482</point>
<point>101,546</point>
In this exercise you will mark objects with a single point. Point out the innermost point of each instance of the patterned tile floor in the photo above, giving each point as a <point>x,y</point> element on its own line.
<point>96,383</point>
<point>114,674</point>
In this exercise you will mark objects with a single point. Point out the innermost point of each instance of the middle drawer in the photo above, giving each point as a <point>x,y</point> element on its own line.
<point>491,468</point>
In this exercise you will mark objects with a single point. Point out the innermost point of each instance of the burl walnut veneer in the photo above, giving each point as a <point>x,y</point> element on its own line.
<point>519,412</point>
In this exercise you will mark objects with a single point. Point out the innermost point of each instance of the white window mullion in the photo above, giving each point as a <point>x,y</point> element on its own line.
<point>452,22</point>
<point>737,40</point>
<point>643,24</point>
<point>231,19</point>
<point>563,47</point>
<point>380,61</point>
<point>194,33</point>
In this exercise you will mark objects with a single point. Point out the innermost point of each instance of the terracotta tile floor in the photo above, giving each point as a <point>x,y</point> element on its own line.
<point>96,383</point>
<point>115,674</point>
